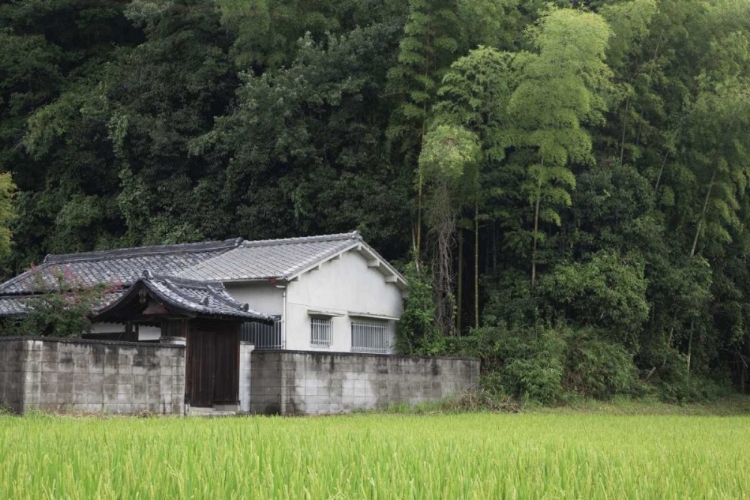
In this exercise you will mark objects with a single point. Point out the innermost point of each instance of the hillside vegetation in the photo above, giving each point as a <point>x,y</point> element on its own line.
<point>564,183</point>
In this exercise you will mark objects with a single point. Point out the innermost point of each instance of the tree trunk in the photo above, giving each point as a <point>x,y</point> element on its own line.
<point>650,75</point>
<point>624,128</point>
<point>690,346</point>
<point>661,171</point>
<point>476,263</point>
<point>494,247</point>
<point>703,213</point>
<point>418,231</point>
<point>536,229</point>
<point>460,279</point>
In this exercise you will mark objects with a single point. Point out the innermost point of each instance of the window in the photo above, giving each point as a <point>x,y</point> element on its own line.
<point>371,336</point>
<point>262,335</point>
<point>320,332</point>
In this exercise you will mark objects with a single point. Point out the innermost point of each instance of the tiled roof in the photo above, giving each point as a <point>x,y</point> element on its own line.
<point>213,261</point>
<point>119,267</point>
<point>13,306</point>
<point>17,305</point>
<point>283,259</point>
<point>203,298</point>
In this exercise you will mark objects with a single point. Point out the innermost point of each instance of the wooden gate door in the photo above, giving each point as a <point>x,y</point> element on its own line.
<point>201,369</point>
<point>213,369</point>
<point>227,386</point>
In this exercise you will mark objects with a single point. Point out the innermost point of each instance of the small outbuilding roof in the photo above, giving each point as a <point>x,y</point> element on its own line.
<point>179,296</point>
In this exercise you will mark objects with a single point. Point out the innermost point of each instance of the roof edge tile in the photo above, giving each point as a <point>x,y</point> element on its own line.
<point>304,239</point>
<point>205,246</point>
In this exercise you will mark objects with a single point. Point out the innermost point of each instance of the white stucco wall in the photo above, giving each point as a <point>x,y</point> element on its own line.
<point>246,349</point>
<point>144,332</point>
<point>341,286</point>
<point>262,296</point>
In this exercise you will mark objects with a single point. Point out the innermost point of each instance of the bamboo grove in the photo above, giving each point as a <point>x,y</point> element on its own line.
<point>564,183</point>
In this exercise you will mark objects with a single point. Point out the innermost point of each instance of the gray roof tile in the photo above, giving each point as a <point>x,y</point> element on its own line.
<point>282,259</point>
<point>17,305</point>
<point>203,298</point>
<point>119,267</point>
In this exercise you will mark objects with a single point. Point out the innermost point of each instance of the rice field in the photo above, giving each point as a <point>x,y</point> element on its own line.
<point>377,456</point>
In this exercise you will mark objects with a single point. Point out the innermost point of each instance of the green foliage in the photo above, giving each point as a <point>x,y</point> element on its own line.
<point>605,148</point>
<point>7,213</point>
<point>417,332</point>
<point>549,364</point>
<point>607,292</point>
<point>446,152</point>
<point>62,306</point>
<point>599,368</point>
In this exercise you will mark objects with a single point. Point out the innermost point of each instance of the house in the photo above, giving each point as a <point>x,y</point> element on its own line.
<point>331,293</point>
<point>317,314</point>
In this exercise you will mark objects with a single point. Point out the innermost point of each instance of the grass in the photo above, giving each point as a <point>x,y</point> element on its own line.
<point>478,455</point>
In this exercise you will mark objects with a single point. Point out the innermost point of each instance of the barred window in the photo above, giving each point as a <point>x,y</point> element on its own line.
<point>371,336</point>
<point>263,336</point>
<point>320,332</point>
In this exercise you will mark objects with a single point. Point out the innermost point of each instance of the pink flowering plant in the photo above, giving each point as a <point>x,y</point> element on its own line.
<point>63,304</point>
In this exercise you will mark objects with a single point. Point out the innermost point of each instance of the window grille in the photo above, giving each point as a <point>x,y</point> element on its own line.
<point>320,332</point>
<point>371,336</point>
<point>264,336</point>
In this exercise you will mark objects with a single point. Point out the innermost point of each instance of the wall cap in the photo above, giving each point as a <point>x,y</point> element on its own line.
<point>364,354</point>
<point>65,340</point>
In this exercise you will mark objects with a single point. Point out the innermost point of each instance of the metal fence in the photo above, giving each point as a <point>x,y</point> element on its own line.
<point>371,336</point>
<point>320,332</point>
<point>264,336</point>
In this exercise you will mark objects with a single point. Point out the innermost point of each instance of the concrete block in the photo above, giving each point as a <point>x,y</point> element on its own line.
<point>34,356</point>
<point>48,396</point>
<point>125,408</point>
<point>64,390</point>
<point>125,389</point>
<point>63,367</point>
<point>110,394</point>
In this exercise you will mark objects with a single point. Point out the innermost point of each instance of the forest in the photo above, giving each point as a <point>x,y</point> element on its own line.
<point>564,183</point>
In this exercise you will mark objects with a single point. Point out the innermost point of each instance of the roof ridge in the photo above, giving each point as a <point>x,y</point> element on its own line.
<point>203,246</point>
<point>178,280</point>
<point>354,235</point>
<point>215,289</point>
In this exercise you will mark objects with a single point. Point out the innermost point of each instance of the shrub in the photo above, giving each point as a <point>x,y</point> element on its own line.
<point>520,362</point>
<point>597,367</point>
<point>63,307</point>
<point>417,332</point>
<point>547,364</point>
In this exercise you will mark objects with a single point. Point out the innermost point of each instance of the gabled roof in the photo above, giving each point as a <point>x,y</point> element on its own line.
<point>181,296</point>
<point>283,259</point>
<point>264,259</point>
<point>121,266</point>
<point>212,261</point>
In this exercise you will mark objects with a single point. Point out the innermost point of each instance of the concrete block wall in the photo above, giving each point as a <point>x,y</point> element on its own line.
<point>303,382</point>
<point>92,376</point>
<point>12,376</point>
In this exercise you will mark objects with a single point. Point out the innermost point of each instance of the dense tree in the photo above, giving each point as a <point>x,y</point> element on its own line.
<point>597,150</point>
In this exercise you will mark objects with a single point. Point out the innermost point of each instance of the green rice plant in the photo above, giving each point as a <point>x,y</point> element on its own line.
<point>377,456</point>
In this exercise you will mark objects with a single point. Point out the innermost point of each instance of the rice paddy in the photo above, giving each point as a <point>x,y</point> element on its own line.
<point>377,456</point>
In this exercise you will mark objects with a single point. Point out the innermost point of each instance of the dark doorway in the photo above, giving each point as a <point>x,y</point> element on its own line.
<point>213,350</point>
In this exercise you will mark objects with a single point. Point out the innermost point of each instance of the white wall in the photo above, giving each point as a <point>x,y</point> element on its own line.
<point>340,285</point>
<point>261,296</point>
<point>144,332</point>
<point>246,349</point>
